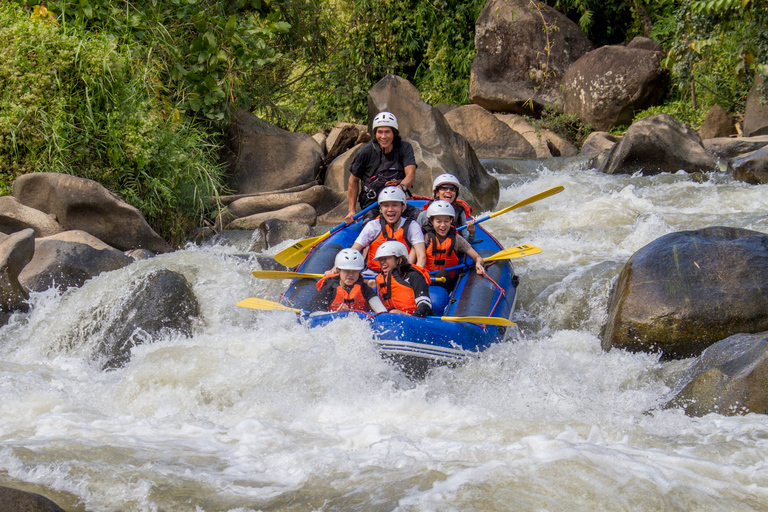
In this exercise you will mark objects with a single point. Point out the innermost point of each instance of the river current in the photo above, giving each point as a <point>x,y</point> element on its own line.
<point>256,412</point>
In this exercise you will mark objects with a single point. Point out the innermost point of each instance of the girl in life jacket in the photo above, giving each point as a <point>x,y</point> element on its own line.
<point>391,225</point>
<point>346,291</point>
<point>444,248</point>
<point>446,188</point>
<point>403,288</point>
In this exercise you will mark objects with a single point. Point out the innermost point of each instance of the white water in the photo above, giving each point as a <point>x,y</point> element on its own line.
<point>255,412</point>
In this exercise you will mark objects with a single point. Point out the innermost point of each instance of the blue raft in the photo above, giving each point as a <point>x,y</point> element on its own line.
<point>417,344</point>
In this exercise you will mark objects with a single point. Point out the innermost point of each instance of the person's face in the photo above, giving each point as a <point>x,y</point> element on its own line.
<point>447,193</point>
<point>387,263</point>
<point>441,223</point>
<point>385,136</point>
<point>348,277</point>
<point>391,211</point>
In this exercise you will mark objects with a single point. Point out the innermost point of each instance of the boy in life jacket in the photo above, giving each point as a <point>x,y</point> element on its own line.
<point>346,291</point>
<point>444,248</point>
<point>391,225</point>
<point>403,288</point>
<point>446,188</point>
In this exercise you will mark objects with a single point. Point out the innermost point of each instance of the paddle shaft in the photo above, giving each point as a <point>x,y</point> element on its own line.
<point>541,195</point>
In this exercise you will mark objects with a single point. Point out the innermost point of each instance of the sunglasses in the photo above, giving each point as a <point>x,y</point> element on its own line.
<point>447,187</point>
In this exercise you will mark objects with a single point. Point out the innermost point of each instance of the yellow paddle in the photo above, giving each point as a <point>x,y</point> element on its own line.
<point>541,195</point>
<point>287,274</point>
<point>268,305</point>
<point>517,251</point>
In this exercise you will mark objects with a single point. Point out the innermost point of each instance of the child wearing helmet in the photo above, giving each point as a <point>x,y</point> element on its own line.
<point>391,225</point>
<point>387,160</point>
<point>445,249</point>
<point>403,288</point>
<point>346,290</point>
<point>446,188</point>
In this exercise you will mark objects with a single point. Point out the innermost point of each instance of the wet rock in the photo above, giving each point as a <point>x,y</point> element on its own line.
<point>264,157</point>
<point>16,252</point>
<point>656,144</point>
<point>14,500</point>
<point>14,217</point>
<point>729,378</point>
<point>489,137</point>
<point>275,231</point>
<point>717,123</point>
<point>302,212</point>
<point>139,254</point>
<point>755,112</point>
<point>729,147</point>
<point>69,259</point>
<point>437,148</point>
<point>607,86</point>
<point>156,304</point>
<point>545,142</point>
<point>752,167</point>
<point>80,204</point>
<point>513,71</point>
<point>685,291</point>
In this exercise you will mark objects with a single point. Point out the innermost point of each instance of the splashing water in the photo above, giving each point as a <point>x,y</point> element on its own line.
<point>256,412</point>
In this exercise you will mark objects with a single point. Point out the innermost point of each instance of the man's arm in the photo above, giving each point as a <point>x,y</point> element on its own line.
<point>410,176</point>
<point>352,191</point>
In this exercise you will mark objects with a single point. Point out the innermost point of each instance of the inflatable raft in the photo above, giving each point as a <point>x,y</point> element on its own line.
<point>417,344</point>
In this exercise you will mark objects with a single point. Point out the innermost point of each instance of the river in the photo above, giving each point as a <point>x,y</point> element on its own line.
<point>255,412</point>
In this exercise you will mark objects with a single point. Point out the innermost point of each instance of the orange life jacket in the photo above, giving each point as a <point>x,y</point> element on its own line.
<point>441,252</point>
<point>353,298</point>
<point>395,292</point>
<point>386,234</point>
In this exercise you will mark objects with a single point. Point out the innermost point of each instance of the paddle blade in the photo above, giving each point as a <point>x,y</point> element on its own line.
<point>293,255</point>
<point>265,305</point>
<point>488,320</point>
<point>282,274</point>
<point>541,195</point>
<point>517,251</point>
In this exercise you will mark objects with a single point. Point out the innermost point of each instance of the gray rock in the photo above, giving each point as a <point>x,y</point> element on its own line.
<point>63,263</point>
<point>489,137</point>
<point>597,142</point>
<point>302,212</point>
<point>717,123</point>
<point>685,291</point>
<point>656,144</point>
<point>607,86</point>
<point>320,197</point>
<point>644,43</point>
<point>337,174</point>
<point>14,217</point>
<point>545,142</point>
<point>523,51</point>
<point>264,157</point>
<point>15,253</point>
<point>729,147</point>
<point>274,231</point>
<point>80,204</point>
<point>14,500</point>
<point>755,112</point>
<point>437,148</point>
<point>752,167</point>
<point>729,378</point>
<point>333,135</point>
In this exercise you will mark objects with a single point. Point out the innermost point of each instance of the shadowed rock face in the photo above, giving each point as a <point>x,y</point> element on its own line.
<point>437,148</point>
<point>755,113</point>
<point>752,167</point>
<point>687,290</point>
<point>16,251</point>
<point>14,500</point>
<point>730,377</point>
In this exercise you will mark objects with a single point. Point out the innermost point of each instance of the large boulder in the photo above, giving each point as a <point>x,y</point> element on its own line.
<point>16,252</point>
<point>263,157</point>
<point>729,378</point>
<point>597,142</point>
<point>605,87</point>
<point>14,217</point>
<point>15,500</point>
<point>729,147</point>
<point>752,167</point>
<point>81,204</point>
<point>301,212</point>
<point>320,197</point>
<point>69,259</point>
<point>337,174</point>
<point>545,142</point>
<point>489,137</point>
<point>755,112</point>
<point>656,144</point>
<point>158,303</point>
<point>523,51</point>
<point>437,148</point>
<point>685,291</point>
<point>717,123</point>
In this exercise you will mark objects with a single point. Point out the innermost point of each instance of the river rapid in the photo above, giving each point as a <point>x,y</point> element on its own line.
<point>256,412</point>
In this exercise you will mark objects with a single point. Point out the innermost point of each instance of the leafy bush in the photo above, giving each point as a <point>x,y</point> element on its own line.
<point>81,104</point>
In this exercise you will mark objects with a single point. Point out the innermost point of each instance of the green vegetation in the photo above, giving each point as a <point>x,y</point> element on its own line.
<point>136,95</point>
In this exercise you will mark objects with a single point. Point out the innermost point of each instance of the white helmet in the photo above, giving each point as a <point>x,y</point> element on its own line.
<point>440,208</point>
<point>445,179</point>
<point>349,259</point>
<point>391,248</point>
<point>385,119</point>
<point>392,194</point>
